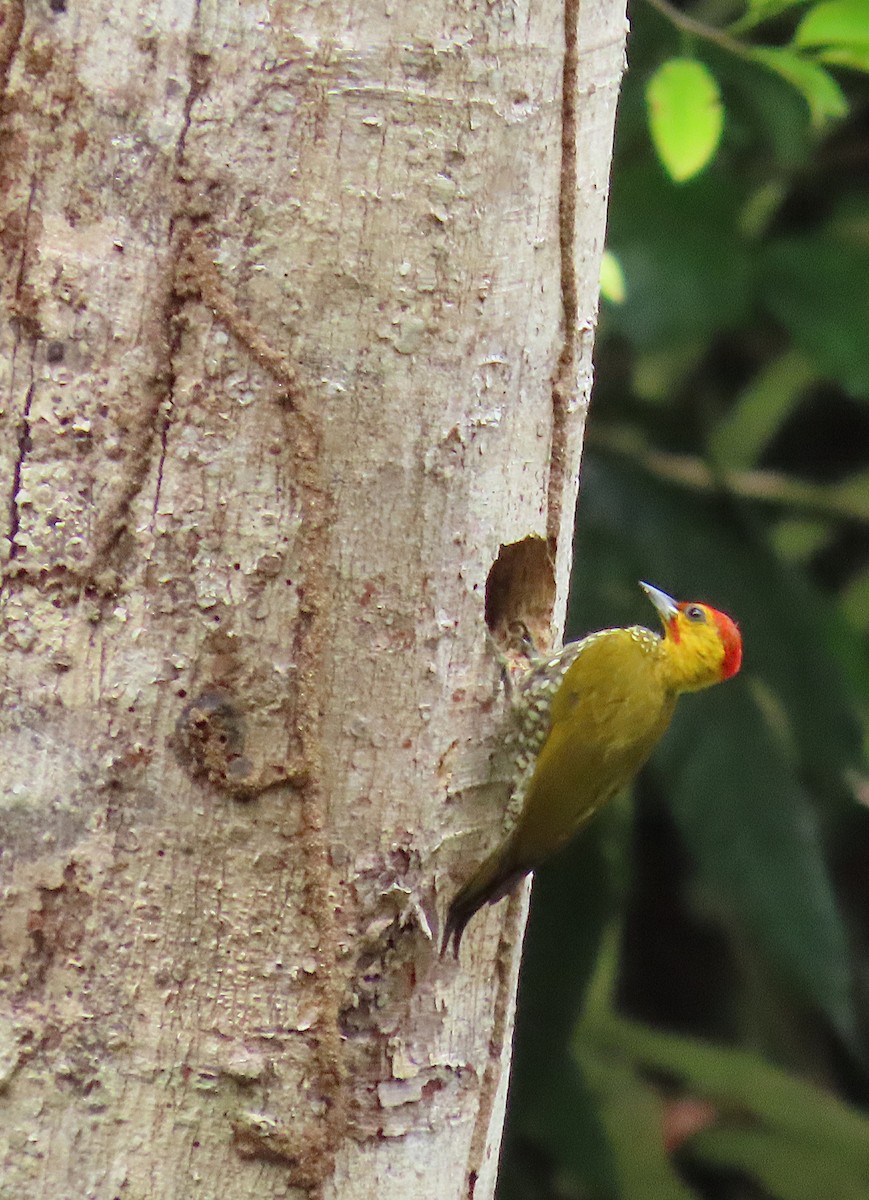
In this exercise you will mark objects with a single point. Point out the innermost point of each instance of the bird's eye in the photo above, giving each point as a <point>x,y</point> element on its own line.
<point>695,613</point>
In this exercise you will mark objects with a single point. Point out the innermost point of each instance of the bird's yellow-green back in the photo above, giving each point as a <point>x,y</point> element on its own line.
<point>588,718</point>
<point>612,707</point>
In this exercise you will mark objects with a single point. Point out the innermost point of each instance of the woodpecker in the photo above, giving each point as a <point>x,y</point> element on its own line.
<point>585,719</point>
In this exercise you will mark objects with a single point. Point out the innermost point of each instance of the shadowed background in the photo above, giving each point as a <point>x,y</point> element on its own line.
<point>692,1017</point>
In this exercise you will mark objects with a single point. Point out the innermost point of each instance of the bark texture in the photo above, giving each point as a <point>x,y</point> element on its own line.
<point>297,313</point>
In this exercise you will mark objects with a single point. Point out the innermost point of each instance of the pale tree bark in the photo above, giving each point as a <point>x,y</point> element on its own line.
<point>298,302</point>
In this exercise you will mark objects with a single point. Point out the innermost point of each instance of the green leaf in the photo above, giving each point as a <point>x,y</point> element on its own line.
<point>761,208</point>
<point>786,1169</point>
<point>631,1112</point>
<point>816,287</point>
<point>658,374</point>
<point>740,1082</point>
<point>612,279</point>
<point>749,827</point>
<point>855,601</point>
<point>797,539</point>
<point>766,116</point>
<point>765,10</point>
<point>741,436</point>
<point>686,116</point>
<point>851,59</point>
<point>817,86</point>
<point>842,23</point>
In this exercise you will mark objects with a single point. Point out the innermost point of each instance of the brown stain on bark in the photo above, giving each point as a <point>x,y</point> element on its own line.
<point>199,276</point>
<point>309,1151</point>
<point>564,384</point>
<point>11,28</point>
<point>56,927</point>
<point>310,654</point>
<point>211,737</point>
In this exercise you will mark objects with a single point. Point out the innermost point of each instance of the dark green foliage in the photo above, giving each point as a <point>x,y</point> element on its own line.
<point>699,289</point>
<point>692,1019</point>
<point>815,286</point>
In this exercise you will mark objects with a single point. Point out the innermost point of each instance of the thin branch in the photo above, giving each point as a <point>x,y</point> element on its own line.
<point>708,33</point>
<point>765,487</point>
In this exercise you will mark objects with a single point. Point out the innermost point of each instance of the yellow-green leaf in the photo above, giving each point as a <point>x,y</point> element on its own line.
<point>818,87</point>
<point>766,9</point>
<point>851,58</point>
<point>843,23</point>
<point>612,279</point>
<point>759,11</point>
<point>686,116</point>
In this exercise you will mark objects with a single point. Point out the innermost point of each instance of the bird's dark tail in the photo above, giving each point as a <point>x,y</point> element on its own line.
<point>494,878</point>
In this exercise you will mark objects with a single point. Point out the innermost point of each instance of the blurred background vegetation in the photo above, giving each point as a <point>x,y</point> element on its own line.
<point>694,1010</point>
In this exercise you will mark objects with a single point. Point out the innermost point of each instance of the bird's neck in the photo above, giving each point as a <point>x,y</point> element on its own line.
<point>689,667</point>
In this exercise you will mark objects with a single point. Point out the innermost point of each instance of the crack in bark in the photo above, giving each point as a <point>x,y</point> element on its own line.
<point>164,445</point>
<point>153,424</point>
<point>509,945</point>
<point>157,419</point>
<point>24,444</point>
<point>199,81</point>
<point>564,384</point>
<point>22,262</point>
<point>197,73</point>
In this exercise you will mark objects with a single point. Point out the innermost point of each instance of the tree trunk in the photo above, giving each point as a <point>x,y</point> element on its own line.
<point>298,306</point>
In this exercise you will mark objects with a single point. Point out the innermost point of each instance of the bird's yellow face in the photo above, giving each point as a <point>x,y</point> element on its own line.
<point>703,645</point>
